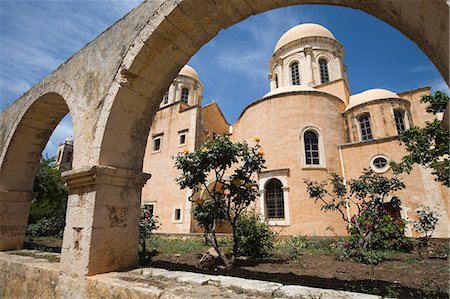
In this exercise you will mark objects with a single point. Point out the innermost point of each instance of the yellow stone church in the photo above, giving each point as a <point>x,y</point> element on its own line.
<point>309,125</point>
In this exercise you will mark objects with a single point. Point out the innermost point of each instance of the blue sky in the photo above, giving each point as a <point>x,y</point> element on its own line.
<point>36,36</point>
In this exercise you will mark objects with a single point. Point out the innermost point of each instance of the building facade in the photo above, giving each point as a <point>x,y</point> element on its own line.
<point>309,125</point>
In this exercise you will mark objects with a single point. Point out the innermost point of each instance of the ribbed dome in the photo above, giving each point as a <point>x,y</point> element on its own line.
<point>303,30</point>
<point>370,95</point>
<point>189,72</point>
<point>289,88</point>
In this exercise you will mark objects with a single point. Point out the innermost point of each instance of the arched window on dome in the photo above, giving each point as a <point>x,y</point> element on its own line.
<point>311,141</point>
<point>295,74</point>
<point>184,94</point>
<point>364,125</point>
<point>399,116</point>
<point>276,81</point>
<point>324,76</point>
<point>274,200</point>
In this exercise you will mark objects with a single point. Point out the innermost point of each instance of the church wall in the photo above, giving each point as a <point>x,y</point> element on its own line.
<point>337,88</point>
<point>279,123</point>
<point>421,189</point>
<point>162,189</point>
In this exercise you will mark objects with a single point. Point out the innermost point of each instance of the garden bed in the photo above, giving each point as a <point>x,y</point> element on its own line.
<point>402,275</point>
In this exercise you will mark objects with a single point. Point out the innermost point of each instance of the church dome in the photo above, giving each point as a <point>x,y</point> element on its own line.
<point>189,72</point>
<point>369,96</point>
<point>301,31</point>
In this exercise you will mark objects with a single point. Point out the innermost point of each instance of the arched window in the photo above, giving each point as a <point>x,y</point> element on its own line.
<point>399,117</point>
<point>274,199</point>
<point>184,94</point>
<point>324,76</point>
<point>276,81</point>
<point>364,124</point>
<point>295,74</point>
<point>311,148</point>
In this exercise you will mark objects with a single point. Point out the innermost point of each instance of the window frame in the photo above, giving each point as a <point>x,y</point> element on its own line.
<point>324,72</point>
<point>297,74</point>
<point>154,138</point>
<point>403,120</point>
<point>174,220</point>
<point>321,149</point>
<point>365,136</point>
<point>185,134</point>
<point>377,169</point>
<point>282,175</point>
<point>278,201</point>
<point>182,94</point>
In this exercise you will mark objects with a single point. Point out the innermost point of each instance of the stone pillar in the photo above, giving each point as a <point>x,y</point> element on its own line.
<point>103,210</point>
<point>14,211</point>
<point>309,67</point>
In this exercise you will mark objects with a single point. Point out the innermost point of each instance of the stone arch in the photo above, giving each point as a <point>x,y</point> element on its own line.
<point>132,86</point>
<point>20,159</point>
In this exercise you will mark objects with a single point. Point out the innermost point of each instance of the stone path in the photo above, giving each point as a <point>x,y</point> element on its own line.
<point>195,285</point>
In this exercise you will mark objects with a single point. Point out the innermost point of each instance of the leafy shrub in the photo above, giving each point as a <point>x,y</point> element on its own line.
<point>426,224</point>
<point>147,224</point>
<point>46,227</point>
<point>386,232</point>
<point>255,238</point>
<point>296,246</point>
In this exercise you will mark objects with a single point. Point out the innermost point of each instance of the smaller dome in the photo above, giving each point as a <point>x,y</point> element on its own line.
<point>301,31</point>
<point>369,96</point>
<point>189,72</point>
<point>289,88</point>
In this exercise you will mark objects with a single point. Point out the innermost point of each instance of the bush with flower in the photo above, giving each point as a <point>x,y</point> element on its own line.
<point>373,227</point>
<point>147,224</point>
<point>232,168</point>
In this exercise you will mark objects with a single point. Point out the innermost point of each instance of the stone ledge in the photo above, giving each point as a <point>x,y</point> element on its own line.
<point>25,277</point>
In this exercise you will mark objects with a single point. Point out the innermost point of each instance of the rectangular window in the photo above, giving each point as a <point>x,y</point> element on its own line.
<point>366,131</point>
<point>150,207</point>
<point>177,215</point>
<point>182,137</point>
<point>157,142</point>
<point>399,121</point>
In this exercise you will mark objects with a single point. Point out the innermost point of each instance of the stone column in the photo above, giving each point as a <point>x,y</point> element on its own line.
<point>309,67</point>
<point>103,209</point>
<point>14,211</point>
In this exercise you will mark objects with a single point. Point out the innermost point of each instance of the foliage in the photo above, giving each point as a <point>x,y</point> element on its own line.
<point>230,195</point>
<point>437,102</point>
<point>428,146</point>
<point>426,224</point>
<point>48,208</point>
<point>255,236</point>
<point>372,227</point>
<point>147,224</point>
<point>45,227</point>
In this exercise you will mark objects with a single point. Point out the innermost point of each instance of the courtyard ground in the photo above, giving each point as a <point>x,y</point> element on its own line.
<point>401,275</point>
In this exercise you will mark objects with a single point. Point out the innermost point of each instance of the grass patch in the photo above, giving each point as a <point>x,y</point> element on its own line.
<point>178,245</point>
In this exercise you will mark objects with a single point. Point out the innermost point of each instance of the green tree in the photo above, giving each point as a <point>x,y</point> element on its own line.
<point>51,192</point>
<point>428,146</point>
<point>372,227</point>
<point>47,212</point>
<point>232,167</point>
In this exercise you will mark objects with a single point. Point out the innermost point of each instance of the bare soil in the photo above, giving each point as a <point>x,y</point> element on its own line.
<point>403,275</point>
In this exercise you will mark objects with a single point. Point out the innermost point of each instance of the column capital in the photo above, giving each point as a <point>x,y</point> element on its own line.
<point>308,50</point>
<point>104,175</point>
